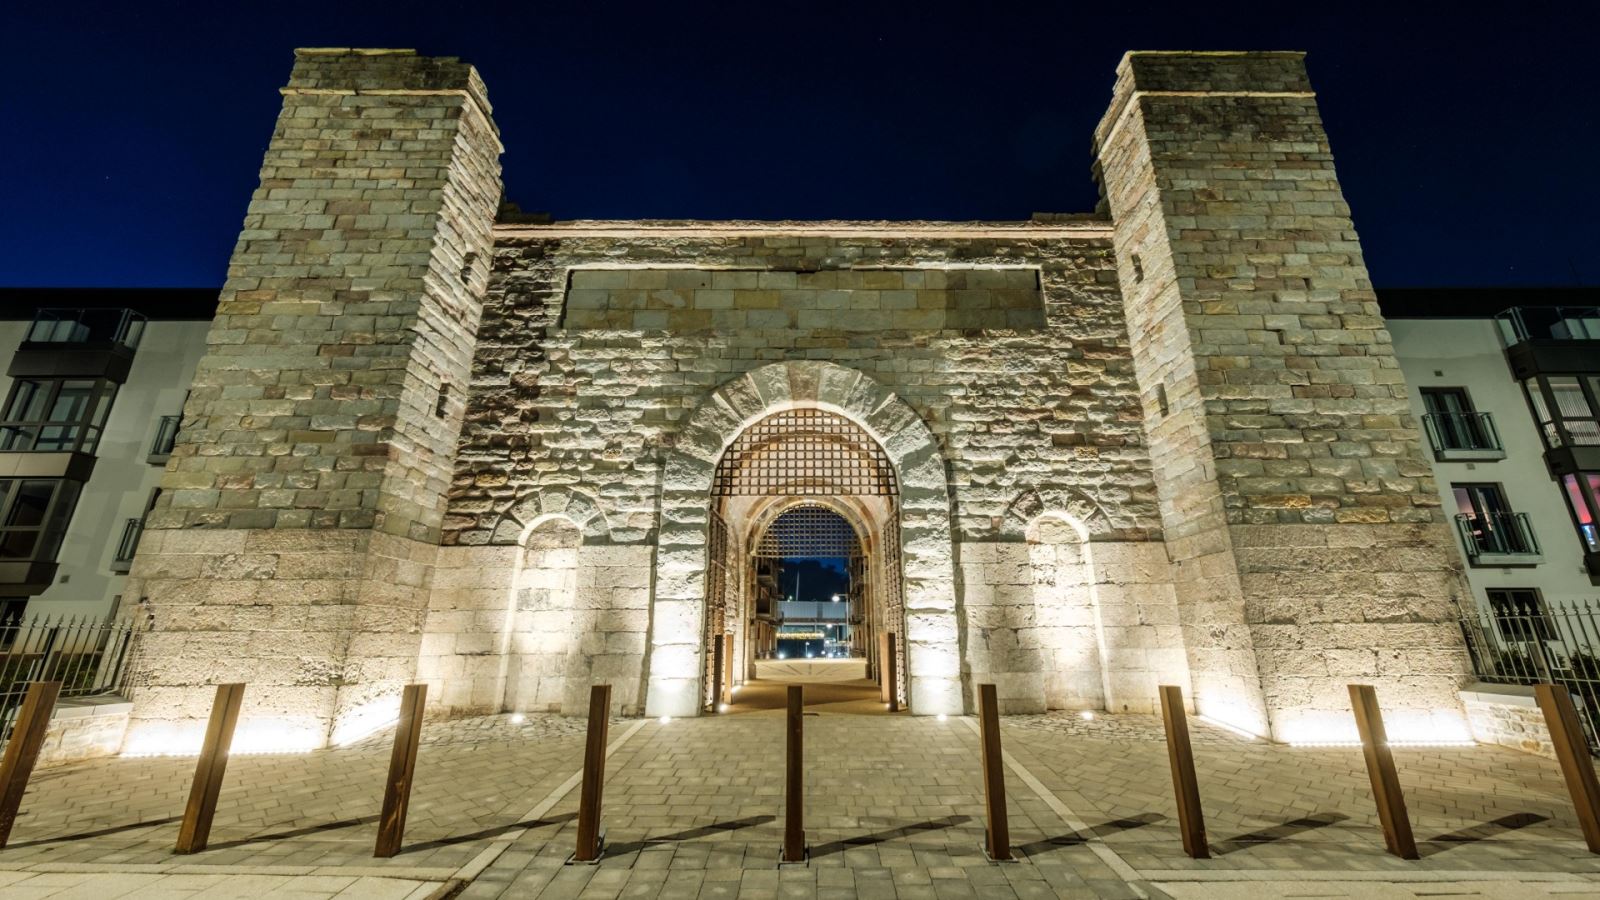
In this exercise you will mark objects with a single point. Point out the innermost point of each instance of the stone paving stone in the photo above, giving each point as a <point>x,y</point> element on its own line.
<point>894,809</point>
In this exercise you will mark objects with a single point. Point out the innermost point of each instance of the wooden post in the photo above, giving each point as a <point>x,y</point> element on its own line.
<point>402,768</point>
<point>997,831</point>
<point>1572,752</point>
<point>1380,770</point>
<point>891,676</point>
<point>594,774</point>
<point>27,739</point>
<point>883,654</point>
<point>727,678</point>
<point>794,783</point>
<point>1191,819</point>
<point>717,662</point>
<point>208,770</point>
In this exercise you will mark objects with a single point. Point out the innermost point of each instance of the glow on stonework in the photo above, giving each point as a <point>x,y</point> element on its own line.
<point>366,720</point>
<point>253,737</point>
<point>1405,727</point>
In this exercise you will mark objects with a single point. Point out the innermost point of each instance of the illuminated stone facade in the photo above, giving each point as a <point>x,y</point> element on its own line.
<point>1163,443</point>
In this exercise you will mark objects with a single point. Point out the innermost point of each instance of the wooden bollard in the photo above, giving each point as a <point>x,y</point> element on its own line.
<point>884,687</point>
<point>1191,819</point>
<point>594,775</point>
<point>997,830</point>
<point>1572,752</point>
<point>27,739</point>
<point>891,675</point>
<point>718,661</point>
<point>208,770</point>
<point>1380,770</point>
<point>794,783</point>
<point>402,769</point>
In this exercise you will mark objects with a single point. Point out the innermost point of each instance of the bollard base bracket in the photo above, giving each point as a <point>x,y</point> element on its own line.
<point>599,854</point>
<point>803,862</point>
<point>984,848</point>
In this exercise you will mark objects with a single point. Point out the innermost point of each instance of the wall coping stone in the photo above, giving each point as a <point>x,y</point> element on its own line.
<point>1503,694</point>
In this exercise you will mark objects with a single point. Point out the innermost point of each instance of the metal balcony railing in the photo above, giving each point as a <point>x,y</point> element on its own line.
<point>128,545</point>
<point>1549,323</point>
<point>1463,434</point>
<point>1500,538</point>
<point>87,326</point>
<point>166,436</point>
<point>1570,432</point>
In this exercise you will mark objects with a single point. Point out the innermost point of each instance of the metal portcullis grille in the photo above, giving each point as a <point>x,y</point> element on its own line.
<point>805,453</point>
<point>808,530</point>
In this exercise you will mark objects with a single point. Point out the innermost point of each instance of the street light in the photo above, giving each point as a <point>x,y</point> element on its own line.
<point>836,598</point>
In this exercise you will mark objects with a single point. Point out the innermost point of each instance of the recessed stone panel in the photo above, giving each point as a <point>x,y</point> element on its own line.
<point>687,301</point>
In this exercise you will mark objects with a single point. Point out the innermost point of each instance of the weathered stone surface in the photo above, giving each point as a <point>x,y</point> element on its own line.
<point>1258,342</point>
<point>1170,446</point>
<point>330,396</point>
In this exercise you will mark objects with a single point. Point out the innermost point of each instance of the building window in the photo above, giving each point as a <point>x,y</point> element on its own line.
<point>1489,530</point>
<point>1583,500</point>
<point>1567,408</point>
<point>51,415</point>
<point>33,517</point>
<point>1519,614</point>
<point>1453,425</point>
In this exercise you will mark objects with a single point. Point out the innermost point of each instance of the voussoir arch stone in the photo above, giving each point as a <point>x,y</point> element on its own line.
<point>540,504</point>
<point>932,624</point>
<point>1070,502</point>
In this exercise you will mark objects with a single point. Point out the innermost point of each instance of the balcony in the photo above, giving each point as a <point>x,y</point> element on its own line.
<point>127,546</point>
<point>79,343</point>
<point>1550,339</point>
<point>166,436</point>
<point>1463,437</point>
<point>1499,539</point>
<point>108,327</point>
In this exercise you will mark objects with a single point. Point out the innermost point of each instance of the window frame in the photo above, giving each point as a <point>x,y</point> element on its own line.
<point>1584,486</point>
<point>83,433</point>
<point>1549,417</point>
<point>1528,614</point>
<point>51,529</point>
<point>1459,429</point>
<point>1494,527</point>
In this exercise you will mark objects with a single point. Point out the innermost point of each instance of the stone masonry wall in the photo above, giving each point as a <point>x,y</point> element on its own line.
<point>1507,715</point>
<point>871,300</point>
<point>564,405</point>
<point>591,409</point>
<point>1297,504</point>
<point>293,542</point>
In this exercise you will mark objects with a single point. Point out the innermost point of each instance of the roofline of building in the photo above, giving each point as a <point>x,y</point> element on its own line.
<point>200,303</point>
<point>1080,226</point>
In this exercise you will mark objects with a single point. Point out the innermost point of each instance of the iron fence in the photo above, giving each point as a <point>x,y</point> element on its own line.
<point>90,657</point>
<point>1543,643</point>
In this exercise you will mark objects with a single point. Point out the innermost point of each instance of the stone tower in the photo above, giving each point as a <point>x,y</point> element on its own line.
<point>293,542</point>
<point>1296,504</point>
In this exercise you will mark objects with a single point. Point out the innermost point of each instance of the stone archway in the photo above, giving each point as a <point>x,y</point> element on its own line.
<point>932,630</point>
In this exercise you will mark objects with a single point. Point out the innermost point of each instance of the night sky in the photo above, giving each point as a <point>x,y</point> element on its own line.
<point>1465,141</point>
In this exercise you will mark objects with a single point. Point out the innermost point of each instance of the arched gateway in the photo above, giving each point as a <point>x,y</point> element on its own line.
<point>917,518</point>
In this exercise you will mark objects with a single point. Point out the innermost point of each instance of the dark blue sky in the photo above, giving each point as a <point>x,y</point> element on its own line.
<point>1465,141</point>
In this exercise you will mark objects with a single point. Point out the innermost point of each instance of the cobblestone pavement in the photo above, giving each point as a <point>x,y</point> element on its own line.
<point>693,808</point>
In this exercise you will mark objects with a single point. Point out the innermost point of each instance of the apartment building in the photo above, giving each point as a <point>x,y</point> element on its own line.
<point>93,385</point>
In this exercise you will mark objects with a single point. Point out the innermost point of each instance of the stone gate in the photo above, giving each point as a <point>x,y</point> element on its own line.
<point>1163,442</point>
